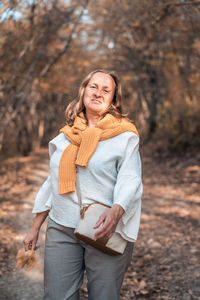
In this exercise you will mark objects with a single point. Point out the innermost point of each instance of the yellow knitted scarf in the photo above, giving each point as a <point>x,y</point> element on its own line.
<point>83,145</point>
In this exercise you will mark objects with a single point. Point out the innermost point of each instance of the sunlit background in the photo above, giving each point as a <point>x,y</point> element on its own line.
<point>46,49</point>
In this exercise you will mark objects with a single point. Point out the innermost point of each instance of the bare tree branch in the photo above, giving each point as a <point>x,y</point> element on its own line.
<point>31,69</point>
<point>52,61</point>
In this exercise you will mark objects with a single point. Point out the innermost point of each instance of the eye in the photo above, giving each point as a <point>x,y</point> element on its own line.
<point>106,91</point>
<point>93,86</point>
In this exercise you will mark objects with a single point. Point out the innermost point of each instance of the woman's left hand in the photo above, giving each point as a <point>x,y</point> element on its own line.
<point>109,221</point>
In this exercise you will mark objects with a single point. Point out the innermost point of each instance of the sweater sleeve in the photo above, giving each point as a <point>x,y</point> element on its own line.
<point>128,188</point>
<point>44,196</point>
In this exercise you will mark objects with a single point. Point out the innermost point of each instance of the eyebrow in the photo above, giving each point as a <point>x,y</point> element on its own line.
<point>105,86</point>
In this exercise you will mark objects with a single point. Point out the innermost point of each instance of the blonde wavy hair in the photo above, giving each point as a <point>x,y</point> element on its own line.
<point>76,106</point>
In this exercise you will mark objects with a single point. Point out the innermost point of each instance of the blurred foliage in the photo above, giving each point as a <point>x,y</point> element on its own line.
<point>47,47</point>
<point>179,124</point>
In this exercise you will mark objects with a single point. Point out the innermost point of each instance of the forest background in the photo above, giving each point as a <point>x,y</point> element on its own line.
<point>48,47</point>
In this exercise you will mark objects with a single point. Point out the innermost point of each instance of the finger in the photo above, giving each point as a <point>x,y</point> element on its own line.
<point>103,236</point>
<point>106,230</point>
<point>99,222</point>
<point>103,231</point>
<point>30,245</point>
<point>26,243</point>
<point>27,246</point>
<point>33,246</point>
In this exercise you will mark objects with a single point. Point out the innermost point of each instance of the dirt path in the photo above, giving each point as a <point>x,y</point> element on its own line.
<point>166,258</point>
<point>17,284</point>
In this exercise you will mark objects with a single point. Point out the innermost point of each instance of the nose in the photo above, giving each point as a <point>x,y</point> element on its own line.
<point>98,93</point>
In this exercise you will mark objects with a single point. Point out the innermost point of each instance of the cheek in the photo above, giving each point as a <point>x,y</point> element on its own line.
<point>86,95</point>
<point>109,100</point>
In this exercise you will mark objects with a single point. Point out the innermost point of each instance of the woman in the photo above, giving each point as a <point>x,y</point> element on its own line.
<point>101,145</point>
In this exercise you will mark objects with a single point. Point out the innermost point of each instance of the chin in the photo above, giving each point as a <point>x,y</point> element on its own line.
<point>96,110</point>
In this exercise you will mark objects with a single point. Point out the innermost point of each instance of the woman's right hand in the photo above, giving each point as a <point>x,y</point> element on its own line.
<point>30,241</point>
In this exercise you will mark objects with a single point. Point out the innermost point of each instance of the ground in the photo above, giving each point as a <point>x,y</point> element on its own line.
<point>166,258</point>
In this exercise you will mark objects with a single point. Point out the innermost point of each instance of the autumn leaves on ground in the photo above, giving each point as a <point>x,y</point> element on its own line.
<point>165,264</point>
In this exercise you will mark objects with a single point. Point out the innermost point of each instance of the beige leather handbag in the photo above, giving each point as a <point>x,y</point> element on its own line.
<point>85,228</point>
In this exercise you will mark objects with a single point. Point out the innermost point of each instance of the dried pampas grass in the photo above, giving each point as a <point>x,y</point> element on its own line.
<point>27,260</point>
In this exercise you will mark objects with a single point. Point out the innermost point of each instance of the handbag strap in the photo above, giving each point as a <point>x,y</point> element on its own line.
<point>78,189</point>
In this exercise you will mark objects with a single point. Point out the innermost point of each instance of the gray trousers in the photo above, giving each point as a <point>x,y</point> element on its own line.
<point>66,258</point>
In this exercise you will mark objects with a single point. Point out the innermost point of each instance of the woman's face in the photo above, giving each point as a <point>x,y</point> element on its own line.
<point>99,93</point>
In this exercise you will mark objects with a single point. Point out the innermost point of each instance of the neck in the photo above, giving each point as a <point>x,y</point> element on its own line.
<point>92,119</point>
